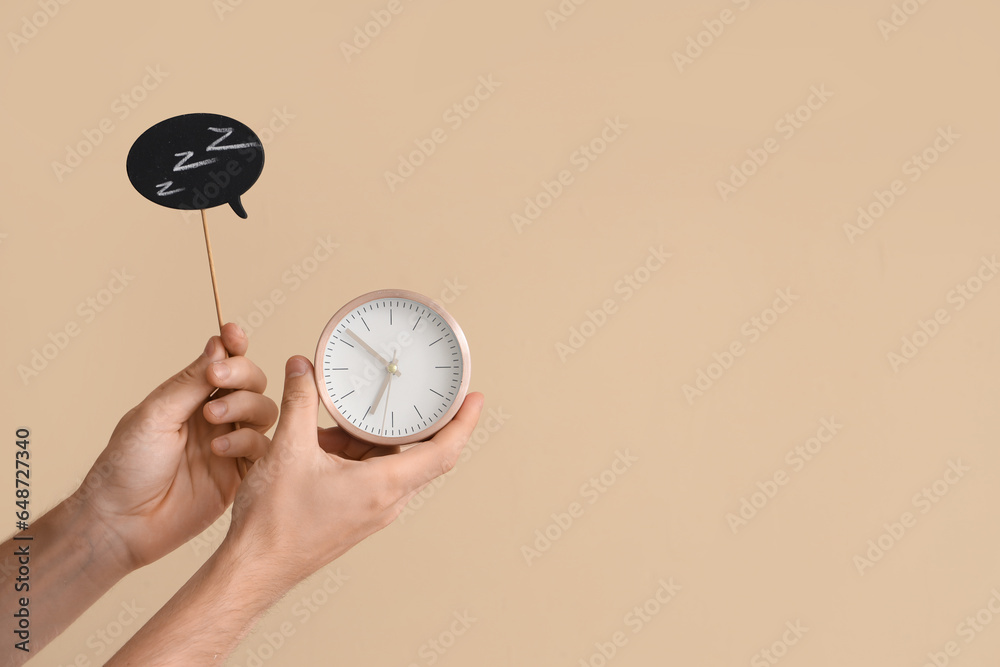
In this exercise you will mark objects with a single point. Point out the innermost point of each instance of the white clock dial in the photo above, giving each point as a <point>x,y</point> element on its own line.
<point>392,367</point>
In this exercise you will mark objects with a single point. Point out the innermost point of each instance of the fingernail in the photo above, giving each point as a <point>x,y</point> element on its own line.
<point>221,370</point>
<point>217,408</point>
<point>296,367</point>
<point>222,445</point>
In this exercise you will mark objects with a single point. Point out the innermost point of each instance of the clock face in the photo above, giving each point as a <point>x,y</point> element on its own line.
<point>392,367</point>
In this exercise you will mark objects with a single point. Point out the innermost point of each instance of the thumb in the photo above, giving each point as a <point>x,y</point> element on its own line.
<point>179,397</point>
<point>299,404</point>
<point>422,463</point>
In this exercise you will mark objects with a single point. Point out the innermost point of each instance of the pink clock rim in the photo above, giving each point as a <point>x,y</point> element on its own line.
<point>359,433</point>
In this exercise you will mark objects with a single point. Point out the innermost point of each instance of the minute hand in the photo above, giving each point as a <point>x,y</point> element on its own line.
<point>372,352</point>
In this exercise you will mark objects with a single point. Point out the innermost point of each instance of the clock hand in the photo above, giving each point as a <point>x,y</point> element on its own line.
<point>388,389</point>
<point>378,399</point>
<point>372,352</point>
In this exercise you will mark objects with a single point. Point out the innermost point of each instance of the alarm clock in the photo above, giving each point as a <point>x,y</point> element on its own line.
<point>392,367</point>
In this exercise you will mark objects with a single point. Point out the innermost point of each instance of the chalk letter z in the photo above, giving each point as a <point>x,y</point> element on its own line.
<point>163,192</point>
<point>187,155</point>
<point>226,131</point>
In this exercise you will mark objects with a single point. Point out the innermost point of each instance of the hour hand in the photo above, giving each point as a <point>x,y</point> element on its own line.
<point>368,348</point>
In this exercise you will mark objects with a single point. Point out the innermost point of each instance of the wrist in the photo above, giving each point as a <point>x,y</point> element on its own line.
<point>233,588</point>
<point>257,554</point>
<point>92,533</point>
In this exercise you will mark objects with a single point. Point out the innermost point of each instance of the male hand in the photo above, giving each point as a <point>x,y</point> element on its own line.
<point>318,492</point>
<point>169,471</point>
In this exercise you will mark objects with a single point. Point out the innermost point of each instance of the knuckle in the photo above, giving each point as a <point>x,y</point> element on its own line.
<point>146,416</point>
<point>295,397</point>
<point>383,499</point>
<point>187,376</point>
<point>393,480</point>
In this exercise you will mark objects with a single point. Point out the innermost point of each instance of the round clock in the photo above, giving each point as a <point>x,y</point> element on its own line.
<point>392,367</point>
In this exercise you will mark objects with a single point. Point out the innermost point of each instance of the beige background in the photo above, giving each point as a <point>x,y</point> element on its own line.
<point>341,125</point>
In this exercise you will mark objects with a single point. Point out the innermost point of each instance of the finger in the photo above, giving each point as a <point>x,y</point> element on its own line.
<point>237,373</point>
<point>235,339</point>
<point>182,394</point>
<point>299,404</point>
<point>337,441</point>
<point>333,440</point>
<point>419,465</point>
<point>245,442</point>
<point>250,409</point>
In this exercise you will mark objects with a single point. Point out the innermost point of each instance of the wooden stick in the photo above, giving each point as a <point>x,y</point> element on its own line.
<point>211,267</point>
<point>241,463</point>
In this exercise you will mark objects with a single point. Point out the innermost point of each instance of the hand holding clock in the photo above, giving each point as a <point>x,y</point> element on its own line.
<point>312,495</point>
<point>310,498</point>
<point>338,489</point>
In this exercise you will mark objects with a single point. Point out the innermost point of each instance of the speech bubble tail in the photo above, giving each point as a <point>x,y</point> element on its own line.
<point>237,207</point>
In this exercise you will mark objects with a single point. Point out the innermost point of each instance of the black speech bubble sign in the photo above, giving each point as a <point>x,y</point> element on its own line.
<point>196,161</point>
